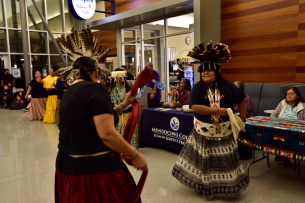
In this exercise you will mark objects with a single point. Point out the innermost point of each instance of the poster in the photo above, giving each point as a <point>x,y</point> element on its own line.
<point>16,73</point>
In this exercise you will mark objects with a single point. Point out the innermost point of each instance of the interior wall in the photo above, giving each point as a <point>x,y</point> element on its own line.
<point>100,6</point>
<point>266,39</point>
<point>179,42</point>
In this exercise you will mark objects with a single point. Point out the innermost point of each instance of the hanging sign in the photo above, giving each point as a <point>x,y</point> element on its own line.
<point>16,73</point>
<point>82,9</point>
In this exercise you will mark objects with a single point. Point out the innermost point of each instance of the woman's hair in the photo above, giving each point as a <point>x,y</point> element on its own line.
<point>187,83</point>
<point>22,96</point>
<point>241,85</point>
<point>111,85</point>
<point>86,66</point>
<point>55,68</point>
<point>297,92</point>
<point>220,84</point>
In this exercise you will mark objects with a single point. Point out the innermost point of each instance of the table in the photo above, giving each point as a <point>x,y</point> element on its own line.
<point>268,111</point>
<point>277,136</point>
<point>168,130</point>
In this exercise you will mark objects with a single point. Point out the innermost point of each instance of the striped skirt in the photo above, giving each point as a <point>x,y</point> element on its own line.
<point>210,166</point>
<point>38,108</point>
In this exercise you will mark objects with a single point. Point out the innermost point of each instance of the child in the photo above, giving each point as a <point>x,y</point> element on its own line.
<point>24,102</point>
<point>6,97</point>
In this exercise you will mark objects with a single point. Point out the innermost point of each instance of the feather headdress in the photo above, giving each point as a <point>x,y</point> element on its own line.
<point>209,56</point>
<point>82,44</point>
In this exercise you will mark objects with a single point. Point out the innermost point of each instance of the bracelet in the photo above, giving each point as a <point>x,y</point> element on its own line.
<point>134,154</point>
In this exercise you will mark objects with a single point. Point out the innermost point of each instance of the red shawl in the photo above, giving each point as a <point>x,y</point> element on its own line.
<point>143,79</point>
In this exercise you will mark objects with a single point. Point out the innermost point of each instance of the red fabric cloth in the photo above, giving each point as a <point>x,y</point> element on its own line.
<point>143,79</point>
<point>115,186</point>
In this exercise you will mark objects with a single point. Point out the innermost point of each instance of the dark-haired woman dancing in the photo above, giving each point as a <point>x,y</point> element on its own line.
<point>88,166</point>
<point>209,162</point>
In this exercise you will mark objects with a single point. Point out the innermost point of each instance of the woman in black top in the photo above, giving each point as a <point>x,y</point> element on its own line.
<point>209,162</point>
<point>39,97</point>
<point>88,168</point>
<point>61,88</point>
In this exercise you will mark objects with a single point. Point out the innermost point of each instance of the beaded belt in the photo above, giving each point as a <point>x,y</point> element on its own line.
<point>211,132</point>
<point>89,155</point>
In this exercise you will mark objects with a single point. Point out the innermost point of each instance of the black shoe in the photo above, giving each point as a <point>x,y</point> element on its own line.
<point>278,159</point>
<point>286,163</point>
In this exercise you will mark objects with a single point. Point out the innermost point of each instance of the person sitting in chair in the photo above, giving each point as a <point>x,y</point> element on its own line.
<point>184,97</point>
<point>293,107</point>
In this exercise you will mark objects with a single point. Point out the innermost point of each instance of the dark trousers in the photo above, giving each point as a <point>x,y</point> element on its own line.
<point>8,101</point>
<point>153,103</point>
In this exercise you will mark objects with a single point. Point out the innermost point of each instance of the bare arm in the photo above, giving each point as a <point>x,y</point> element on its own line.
<point>28,92</point>
<point>104,124</point>
<point>205,110</point>
<point>13,82</point>
<point>2,83</point>
<point>242,110</point>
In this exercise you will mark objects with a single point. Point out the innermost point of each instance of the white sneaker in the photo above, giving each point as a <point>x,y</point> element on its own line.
<point>30,119</point>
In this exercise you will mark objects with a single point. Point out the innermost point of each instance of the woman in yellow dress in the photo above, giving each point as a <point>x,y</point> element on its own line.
<point>48,83</point>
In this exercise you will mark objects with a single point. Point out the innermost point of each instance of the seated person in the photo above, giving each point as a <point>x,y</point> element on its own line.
<point>23,101</point>
<point>6,97</point>
<point>248,100</point>
<point>184,97</point>
<point>293,107</point>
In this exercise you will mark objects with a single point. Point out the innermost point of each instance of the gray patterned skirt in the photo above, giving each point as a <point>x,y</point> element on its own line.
<point>210,166</point>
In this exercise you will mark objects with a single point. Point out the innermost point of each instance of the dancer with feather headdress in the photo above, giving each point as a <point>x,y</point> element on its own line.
<point>88,166</point>
<point>209,162</point>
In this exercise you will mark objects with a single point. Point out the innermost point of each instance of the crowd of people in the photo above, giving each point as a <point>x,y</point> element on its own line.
<point>92,119</point>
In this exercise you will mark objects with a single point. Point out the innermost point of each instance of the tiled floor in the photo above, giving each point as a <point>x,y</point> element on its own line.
<point>27,163</point>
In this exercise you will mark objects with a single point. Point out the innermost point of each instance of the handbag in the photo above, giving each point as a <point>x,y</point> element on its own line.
<point>237,124</point>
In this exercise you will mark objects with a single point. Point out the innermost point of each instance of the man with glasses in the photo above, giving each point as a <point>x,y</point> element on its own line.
<point>154,98</point>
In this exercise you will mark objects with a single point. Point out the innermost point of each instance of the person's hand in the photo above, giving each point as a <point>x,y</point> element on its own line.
<point>152,96</point>
<point>223,112</point>
<point>129,99</point>
<point>4,97</point>
<point>169,105</point>
<point>26,96</point>
<point>139,162</point>
<point>65,90</point>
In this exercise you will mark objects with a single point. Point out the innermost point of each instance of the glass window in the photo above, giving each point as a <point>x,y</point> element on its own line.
<point>132,58</point>
<point>131,33</point>
<point>15,40</point>
<point>13,13</point>
<point>3,46</point>
<point>39,63</point>
<point>17,61</point>
<point>154,29</point>
<point>54,15</point>
<point>52,46</point>
<point>56,61</point>
<point>34,20</point>
<point>38,42</point>
<point>70,20</point>
<point>181,23</point>
<point>2,24</point>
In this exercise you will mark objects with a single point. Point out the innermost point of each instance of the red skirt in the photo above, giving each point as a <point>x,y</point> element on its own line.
<point>112,187</point>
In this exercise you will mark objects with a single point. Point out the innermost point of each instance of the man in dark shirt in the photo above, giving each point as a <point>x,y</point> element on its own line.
<point>7,78</point>
<point>129,75</point>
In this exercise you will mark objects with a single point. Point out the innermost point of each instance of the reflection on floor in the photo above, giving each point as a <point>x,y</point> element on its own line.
<point>27,163</point>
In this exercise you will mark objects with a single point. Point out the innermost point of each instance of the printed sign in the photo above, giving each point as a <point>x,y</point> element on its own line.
<point>16,73</point>
<point>174,123</point>
<point>82,9</point>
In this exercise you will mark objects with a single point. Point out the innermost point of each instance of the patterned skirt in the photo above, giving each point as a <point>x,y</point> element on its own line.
<point>49,117</point>
<point>121,128</point>
<point>38,108</point>
<point>210,166</point>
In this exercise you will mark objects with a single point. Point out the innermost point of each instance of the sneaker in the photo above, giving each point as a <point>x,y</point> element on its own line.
<point>30,119</point>
<point>25,110</point>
